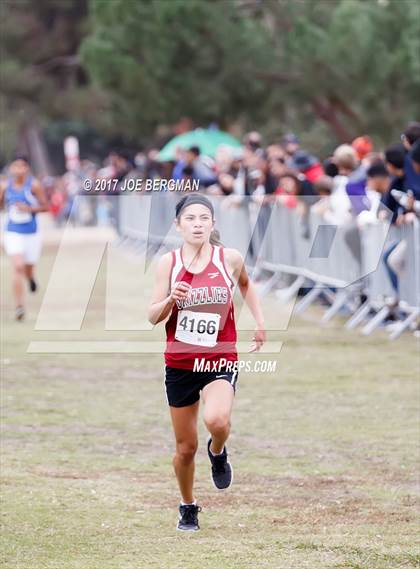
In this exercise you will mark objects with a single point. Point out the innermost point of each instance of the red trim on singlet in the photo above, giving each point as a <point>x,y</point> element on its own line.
<point>222,258</point>
<point>172,269</point>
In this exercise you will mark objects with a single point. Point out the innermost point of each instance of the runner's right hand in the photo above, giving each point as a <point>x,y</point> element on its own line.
<point>180,291</point>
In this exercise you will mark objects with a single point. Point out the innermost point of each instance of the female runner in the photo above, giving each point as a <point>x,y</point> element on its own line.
<point>194,287</point>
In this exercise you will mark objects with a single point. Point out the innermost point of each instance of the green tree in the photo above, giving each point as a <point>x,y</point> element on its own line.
<point>330,69</point>
<point>42,80</point>
<point>355,63</point>
<point>161,60</point>
<point>352,65</point>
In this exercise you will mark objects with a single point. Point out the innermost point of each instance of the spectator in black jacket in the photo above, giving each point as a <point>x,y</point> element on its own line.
<point>412,177</point>
<point>394,160</point>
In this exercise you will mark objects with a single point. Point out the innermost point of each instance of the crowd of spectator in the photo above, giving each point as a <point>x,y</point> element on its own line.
<point>356,185</point>
<point>353,184</point>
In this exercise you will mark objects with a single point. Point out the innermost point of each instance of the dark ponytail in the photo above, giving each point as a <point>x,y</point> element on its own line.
<point>215,238</point>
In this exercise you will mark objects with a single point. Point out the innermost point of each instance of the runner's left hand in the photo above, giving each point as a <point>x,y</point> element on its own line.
<point>258,339</point>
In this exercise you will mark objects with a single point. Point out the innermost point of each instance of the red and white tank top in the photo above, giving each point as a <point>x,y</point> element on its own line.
<point>203,324</point>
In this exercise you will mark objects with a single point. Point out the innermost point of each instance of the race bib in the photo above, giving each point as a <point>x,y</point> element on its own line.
<point>198,328</point>
<point>17,216</point>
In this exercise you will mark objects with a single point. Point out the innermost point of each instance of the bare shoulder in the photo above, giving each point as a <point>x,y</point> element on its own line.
<point>36,185</point>
<point>233,258</point>
<point>164,263</point>
<point>166,258</point>
<point>3,186</point>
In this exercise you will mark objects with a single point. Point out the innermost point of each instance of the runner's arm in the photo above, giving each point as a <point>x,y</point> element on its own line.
<point>249,293</point>
<point>39,193</point>
<point>163,299</point>
<point>161,303</point>
<point>2,192</point>
<point>246,286</point>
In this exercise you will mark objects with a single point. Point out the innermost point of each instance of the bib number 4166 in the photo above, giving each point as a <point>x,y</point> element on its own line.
<point>201,325</point>
<point>199,328</point>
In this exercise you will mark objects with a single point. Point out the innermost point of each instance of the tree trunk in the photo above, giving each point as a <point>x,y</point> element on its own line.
<point>32,144</point>
<point>328,111</point>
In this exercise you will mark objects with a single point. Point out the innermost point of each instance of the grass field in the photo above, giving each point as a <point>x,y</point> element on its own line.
<point>325,454</point>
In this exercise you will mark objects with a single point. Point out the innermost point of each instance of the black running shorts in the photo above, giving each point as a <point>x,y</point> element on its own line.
<point>183,386</point>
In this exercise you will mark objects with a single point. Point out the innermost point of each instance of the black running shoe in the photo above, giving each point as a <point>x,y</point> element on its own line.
<point>221,469</point>
<point>188,519</point>
<point>32,285</point>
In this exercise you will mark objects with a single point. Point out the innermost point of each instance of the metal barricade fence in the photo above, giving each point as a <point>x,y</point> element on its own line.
<point>339,260</point>
<point>234,224</point>
<point>374,238</point>
<point>134,216</point>
<point>405,300</point>
<point>410,284</point>
<point>148,219</point>
<point>319,254</point>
